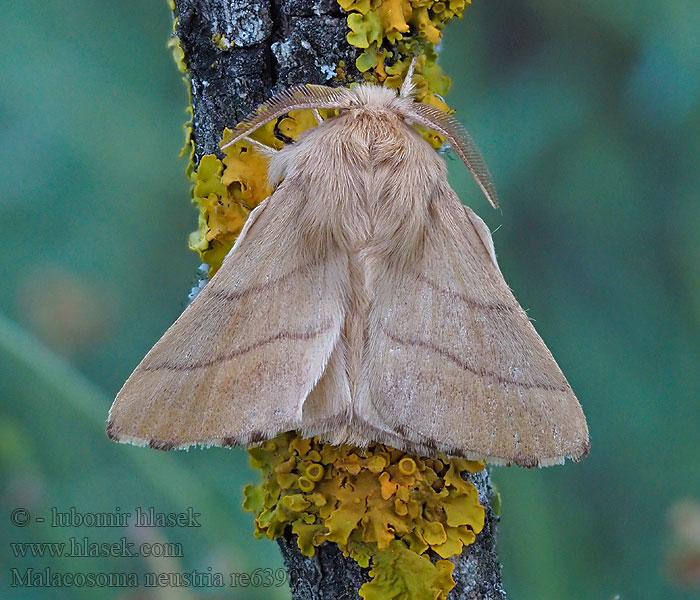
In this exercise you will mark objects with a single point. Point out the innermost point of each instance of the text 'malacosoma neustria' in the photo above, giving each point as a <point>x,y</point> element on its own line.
<point>361,303</point>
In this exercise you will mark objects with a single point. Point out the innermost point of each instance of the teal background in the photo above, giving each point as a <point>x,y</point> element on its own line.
<point>588,114</point>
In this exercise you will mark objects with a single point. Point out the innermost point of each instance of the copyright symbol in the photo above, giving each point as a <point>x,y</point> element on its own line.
<point>20,517</point>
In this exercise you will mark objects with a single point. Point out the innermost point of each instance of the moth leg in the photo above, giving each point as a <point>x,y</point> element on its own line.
<point>264,148</point>
<point>318,116</point>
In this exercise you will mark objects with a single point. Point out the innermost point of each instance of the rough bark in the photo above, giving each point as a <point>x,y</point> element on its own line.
<point>275,44</point>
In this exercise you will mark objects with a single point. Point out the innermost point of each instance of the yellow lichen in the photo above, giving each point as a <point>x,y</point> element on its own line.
<point>221,41</point>
<point>226,191</point>
<point>176,48</point>
<point>221,215</point>
<point>364,29</point>
<point>374,22</point>
<point>391,32</point>
<point>181,64</point>
<point>398,573</point>
<point>381,506</point>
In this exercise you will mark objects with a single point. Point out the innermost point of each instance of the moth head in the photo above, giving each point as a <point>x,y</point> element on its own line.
<point>374,97</point>
<point>371,96</point>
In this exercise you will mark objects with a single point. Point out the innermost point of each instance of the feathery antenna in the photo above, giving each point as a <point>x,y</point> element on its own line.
<point>454,132</point>
<point>297,97</point>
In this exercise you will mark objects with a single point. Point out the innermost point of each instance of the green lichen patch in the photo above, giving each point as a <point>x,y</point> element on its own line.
<point>381,506</point>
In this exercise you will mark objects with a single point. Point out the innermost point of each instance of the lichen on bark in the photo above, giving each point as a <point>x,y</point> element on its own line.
<point>236,54</point>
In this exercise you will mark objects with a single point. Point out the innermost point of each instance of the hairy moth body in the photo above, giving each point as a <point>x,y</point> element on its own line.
<point>361,303</point>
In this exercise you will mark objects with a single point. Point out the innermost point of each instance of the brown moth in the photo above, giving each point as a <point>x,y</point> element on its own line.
<point>361,303</point>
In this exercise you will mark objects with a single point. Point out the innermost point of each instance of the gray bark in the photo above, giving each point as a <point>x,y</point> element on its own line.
<point>274,45</point>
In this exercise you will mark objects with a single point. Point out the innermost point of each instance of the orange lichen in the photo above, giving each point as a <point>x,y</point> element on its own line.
<point>381,506</point>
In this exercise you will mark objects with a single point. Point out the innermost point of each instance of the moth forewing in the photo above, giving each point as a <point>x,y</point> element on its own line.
<point>363,304</point>
<point>452,363</point>
<point>238,364</point>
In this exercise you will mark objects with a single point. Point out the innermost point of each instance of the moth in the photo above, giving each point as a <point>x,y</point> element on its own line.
<point>362,302</point>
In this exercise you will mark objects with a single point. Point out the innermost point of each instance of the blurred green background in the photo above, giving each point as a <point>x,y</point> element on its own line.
<point>588,113</point>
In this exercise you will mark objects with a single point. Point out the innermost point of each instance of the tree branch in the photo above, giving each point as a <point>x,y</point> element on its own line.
<point>271,46</point>
<point>238,53</point>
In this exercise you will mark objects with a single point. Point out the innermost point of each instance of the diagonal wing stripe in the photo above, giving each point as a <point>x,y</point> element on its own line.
<point>413,342</point>
<point>303,335</point>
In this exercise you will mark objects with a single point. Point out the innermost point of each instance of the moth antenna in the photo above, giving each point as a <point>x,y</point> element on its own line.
<point>319,118</point>
<point>407,86</point>
<point>264,148</point>
<point>454,132</point>
<point>295,98</point>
